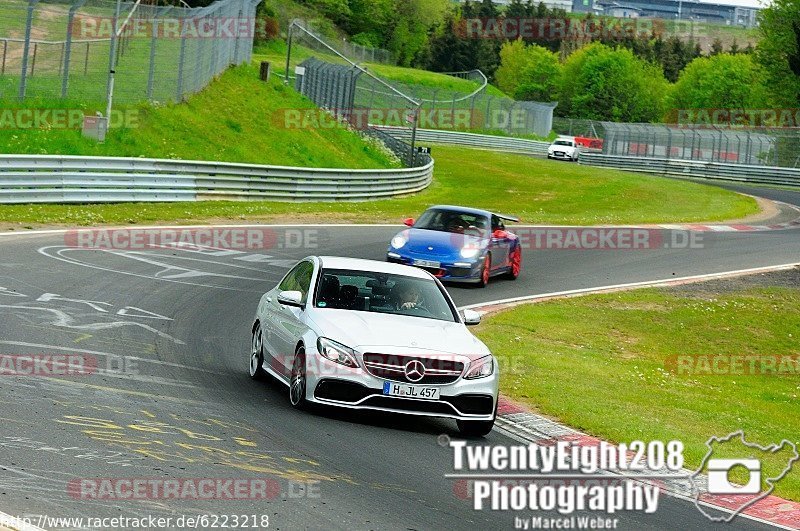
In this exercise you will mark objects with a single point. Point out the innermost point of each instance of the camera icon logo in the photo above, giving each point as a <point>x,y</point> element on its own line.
<point>719,481</point>
<point>724,477</point>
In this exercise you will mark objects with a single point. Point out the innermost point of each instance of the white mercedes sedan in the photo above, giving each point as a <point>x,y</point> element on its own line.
<point>363,334</point>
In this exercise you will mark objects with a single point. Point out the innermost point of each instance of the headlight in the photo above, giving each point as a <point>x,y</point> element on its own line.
<point>336,352</point>
<point>469,252</point>
<point>399,241</point>
<point>480,368</point>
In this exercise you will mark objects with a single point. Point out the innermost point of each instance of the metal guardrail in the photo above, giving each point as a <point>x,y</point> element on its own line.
<point>76,179</point>
<point>693,168</point>
<point>497,143</point>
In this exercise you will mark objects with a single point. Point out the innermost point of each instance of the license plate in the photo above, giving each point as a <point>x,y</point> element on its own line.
<point>559,153</point>
<point>410,391</point>
<point>426,263</point>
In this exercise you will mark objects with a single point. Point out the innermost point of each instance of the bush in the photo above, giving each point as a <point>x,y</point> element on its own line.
<point>601,83</point>
<point>528,72</point>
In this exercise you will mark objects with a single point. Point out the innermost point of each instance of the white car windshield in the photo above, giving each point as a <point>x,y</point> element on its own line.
<point>562,143</point>
<point>367,291</point>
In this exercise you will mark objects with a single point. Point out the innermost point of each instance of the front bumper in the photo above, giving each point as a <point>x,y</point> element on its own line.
<point>335,385</point>
<point>466,270</point>
<point>561,155</point>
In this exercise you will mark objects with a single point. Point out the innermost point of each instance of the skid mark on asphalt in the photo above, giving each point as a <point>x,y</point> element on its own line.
<point>64,320</point>
<point>163,271</point>
<point>62,314</point>
<point>117,433</point>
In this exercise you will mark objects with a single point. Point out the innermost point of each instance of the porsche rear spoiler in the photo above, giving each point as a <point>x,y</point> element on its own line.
<point>507,217</point>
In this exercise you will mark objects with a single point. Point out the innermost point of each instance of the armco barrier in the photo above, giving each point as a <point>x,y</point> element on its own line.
<point>495,143</point>
<point>693,168</point>
<point>75,179</point>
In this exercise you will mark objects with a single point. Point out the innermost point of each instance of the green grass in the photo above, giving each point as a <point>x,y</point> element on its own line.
<point>237,119</point>
<point>538,190</point>
<point>597,363</point>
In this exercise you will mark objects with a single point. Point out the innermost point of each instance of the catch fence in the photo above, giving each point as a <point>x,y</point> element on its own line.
<point>58,49</point>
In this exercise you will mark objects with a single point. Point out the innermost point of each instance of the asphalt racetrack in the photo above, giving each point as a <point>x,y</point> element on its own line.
<point>170,329</point>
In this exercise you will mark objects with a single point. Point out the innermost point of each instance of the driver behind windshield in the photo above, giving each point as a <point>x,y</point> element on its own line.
<point>408,296</point>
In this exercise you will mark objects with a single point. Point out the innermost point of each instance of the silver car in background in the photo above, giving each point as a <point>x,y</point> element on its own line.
<point>364,334</point>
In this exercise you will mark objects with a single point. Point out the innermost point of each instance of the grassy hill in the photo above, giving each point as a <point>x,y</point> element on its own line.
<point>237,118</point>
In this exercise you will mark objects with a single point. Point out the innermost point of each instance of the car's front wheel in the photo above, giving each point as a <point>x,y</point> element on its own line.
<point>515,261</point>
<point>297,382</point>
<point>486,270</point>
<point>475,428</point>
<point>257,354</point>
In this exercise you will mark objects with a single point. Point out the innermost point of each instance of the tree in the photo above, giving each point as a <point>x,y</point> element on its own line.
<point>601,83</point>
<point>528,72</point>
<point>449,52</point>
<point>723,81</point>
<point>516,9</point>
<point>716,47</point>
<point>778,51</point>
<point>734,49</point>
<point>412,21</point>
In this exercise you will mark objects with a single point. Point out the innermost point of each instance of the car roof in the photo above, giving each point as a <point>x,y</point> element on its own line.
<point>359,264</point>
<point>466,210</point>
<point>475,211</point>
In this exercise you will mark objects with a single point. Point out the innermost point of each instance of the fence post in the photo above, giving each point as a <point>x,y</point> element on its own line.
<point>181,57</point>
<point>153,40</point>
<point>288,52</point>
<point>68,46</point>
<point>5,50</point>
<point>28,25</point>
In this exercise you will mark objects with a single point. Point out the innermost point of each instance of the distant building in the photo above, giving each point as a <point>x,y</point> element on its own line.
<point>726,12</point>
<point>716,13</point>
<point>566,5</point>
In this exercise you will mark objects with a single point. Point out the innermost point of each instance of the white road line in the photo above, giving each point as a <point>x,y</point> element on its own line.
<point>160,227</point>
<point>631,285</point>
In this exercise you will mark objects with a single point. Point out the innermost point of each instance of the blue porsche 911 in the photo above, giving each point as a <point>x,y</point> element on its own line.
<point>458,244</point>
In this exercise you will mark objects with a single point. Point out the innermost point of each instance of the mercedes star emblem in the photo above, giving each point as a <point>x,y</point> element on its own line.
<point>415,370</point>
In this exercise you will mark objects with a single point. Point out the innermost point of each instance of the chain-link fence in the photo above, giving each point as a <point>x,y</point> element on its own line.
<point>477,110</point>
<point>350,92</point>
<point>577,127</point>
<point>758,146</point>
<point>54,49</point>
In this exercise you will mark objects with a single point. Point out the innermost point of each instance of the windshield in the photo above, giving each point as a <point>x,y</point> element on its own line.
<point>562,143</point>
<point>452,221</point>
<point>367,291</point>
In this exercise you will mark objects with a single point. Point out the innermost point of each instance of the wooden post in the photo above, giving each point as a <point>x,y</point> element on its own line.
<point>265,71</point>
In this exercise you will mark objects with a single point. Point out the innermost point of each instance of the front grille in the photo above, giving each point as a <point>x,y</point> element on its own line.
<point>418,406</point>
<point>392,367</point>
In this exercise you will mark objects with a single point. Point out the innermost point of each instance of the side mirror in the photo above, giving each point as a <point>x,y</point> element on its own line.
<point>499,234</point>
<point>471,317</point>
<point>291,298</point>
<point>408,222</point>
